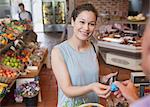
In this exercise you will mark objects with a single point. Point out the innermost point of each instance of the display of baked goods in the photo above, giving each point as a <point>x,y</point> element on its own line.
<point>125,40</point>
<point>139,17</point>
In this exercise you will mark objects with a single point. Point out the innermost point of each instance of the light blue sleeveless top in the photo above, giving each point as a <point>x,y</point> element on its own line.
<point>83,69</point>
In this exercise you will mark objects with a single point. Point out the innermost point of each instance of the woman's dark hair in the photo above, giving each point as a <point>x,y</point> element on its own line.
<point>83,7</point>
<point>21,4</point>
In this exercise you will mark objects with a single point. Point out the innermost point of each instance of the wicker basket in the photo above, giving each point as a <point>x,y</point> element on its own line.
<point>6,79</point>
<point>91,105</point>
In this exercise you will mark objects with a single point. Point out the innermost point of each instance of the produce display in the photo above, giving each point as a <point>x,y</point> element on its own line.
<point>7,75</point>
<point>8,36</point>
<point>14,27</point>
<point>12,62</point>
<point>3,87</point>
<point>23,55</point>
<point>10,30</point>
<point>36,57</point>
<point>3,41</point>
<point>19,49</point>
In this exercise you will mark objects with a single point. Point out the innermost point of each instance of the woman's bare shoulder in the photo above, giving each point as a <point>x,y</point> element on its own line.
<point>56,54</point>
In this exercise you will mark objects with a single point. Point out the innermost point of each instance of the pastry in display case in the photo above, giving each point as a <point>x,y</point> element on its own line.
<point>60,12</point>
<point>139,17</point>
<point>119,37</point>
<point>126,40</point>
<point>47,13</point>
<point>54,14</point>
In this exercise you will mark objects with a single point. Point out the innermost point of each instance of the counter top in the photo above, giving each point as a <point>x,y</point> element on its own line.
<point>129,22</point>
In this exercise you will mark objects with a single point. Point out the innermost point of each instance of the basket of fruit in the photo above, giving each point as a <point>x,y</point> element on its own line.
<point>12,63</point>
<point>3,41</point>
<point>7,75</point>
<point>3,89</point>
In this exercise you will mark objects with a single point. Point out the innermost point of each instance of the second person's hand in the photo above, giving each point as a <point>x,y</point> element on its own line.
<point>127,90</point>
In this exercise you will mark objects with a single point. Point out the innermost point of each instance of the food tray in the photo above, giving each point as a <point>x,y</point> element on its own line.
<point>136,20</point>
<point>91,105</point>
<point>121,47</point>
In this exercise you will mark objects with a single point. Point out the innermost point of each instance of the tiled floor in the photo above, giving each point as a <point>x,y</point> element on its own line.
<point>47,79</point>
<point>48,88</point>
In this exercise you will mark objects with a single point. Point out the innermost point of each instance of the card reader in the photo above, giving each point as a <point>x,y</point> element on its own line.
<point>139,78</point>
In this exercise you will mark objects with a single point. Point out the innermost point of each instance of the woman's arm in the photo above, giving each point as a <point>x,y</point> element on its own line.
<point>63,79</point>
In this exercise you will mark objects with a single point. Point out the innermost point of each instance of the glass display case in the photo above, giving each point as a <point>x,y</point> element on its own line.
<point>54,15</point>
<point>47,13</point>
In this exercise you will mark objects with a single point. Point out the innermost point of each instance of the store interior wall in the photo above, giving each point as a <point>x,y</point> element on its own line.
<point>112,9</point>
<point>118,9</point>
<point>37,15</point>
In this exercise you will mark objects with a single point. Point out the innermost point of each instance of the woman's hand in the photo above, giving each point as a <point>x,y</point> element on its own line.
<point>126,90</point>
<point>106,78</point>
<point>100,89</point>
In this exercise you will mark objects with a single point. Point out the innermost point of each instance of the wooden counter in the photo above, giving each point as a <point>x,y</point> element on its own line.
<point>129,22</point>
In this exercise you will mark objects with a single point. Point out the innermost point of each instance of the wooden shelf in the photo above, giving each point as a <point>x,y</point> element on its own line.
<point>128,22</point>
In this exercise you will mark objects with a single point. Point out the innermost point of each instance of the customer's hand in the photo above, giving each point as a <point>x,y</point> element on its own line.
<point>126,90</point>
<point>106,78</point>
<point>101,90</point>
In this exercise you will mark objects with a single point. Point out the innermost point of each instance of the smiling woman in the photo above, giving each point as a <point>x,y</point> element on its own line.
<point>84,25</point>
<point>75,64</point>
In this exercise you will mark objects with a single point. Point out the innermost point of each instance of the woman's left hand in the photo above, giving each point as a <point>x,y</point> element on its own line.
<point>106,78</point>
